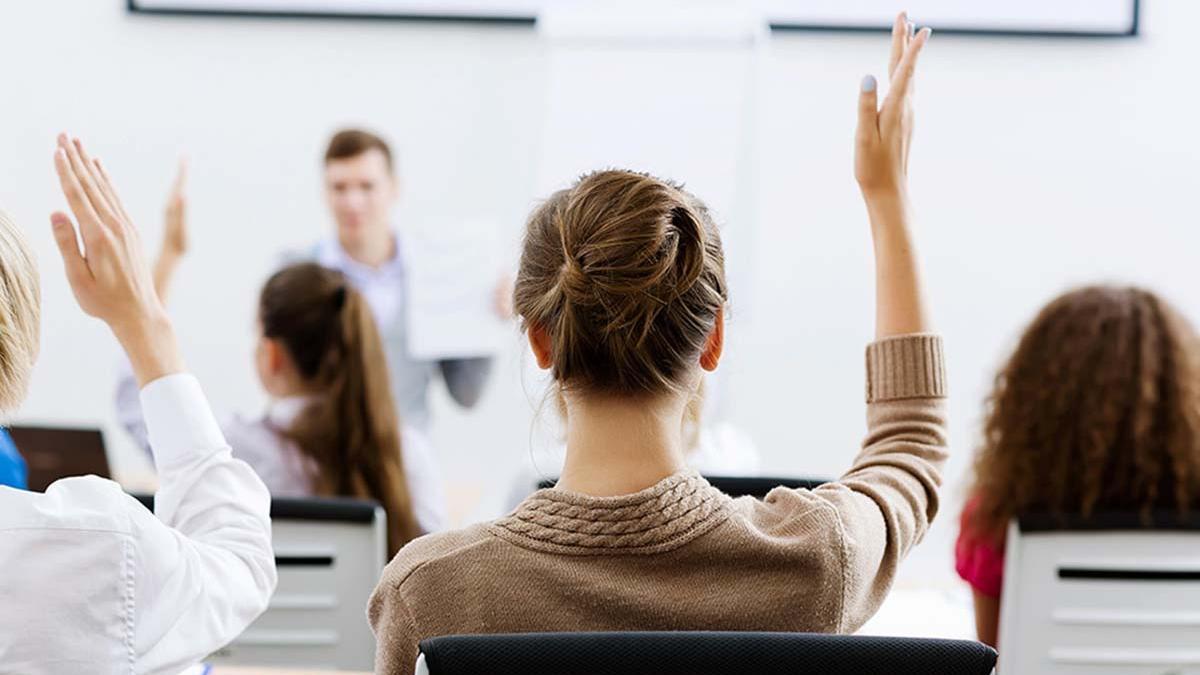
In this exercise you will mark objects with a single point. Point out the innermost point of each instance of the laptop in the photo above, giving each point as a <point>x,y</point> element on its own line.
<point>58,452</point>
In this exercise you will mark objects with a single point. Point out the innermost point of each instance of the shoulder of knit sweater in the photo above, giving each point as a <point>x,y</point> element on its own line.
<point>431,547</point>
<point>784,505</point>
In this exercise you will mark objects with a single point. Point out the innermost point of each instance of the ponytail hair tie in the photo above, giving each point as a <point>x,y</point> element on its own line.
<point>339,298</point>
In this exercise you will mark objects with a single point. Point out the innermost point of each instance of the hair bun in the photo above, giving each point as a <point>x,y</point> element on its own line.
<point>635,241</point>
<point>690,251</point>
<point>577,287</point>
<point>625,272</point>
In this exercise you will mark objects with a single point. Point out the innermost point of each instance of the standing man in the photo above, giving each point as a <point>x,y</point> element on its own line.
<point>361,188</point>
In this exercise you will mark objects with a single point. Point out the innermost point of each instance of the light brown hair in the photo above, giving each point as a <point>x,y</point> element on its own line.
<point>350,143</point>
<point>1098,409</point>
<point>20,314</point>
<point>350,429</point>
<point>626,274</point>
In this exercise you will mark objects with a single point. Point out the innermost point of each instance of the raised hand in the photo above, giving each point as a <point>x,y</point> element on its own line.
<point>881,167</point>
<point>109,277</point>
<point>175,234</point>
<point>885,132</point>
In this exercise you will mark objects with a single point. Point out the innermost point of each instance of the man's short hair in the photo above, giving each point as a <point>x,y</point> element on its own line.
<point>350,143</point>
<point>20,314</point>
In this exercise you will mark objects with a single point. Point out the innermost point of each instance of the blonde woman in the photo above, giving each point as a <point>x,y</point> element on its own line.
<point>93,582</point>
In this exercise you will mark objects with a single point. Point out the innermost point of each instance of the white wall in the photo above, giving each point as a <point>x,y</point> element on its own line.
<point>1038,164</point>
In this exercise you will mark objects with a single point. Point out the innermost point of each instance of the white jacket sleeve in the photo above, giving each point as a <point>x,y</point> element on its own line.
<point>204,568</point>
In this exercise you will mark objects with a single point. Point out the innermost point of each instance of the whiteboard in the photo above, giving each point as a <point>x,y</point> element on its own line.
<point>1077,17</point>
<point>1080,17</point>
<point>519,10</point>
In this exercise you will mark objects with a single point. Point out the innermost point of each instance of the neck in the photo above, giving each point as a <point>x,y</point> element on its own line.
<point>372,249</point>
<point>287,384</point>
<point>618,446</point>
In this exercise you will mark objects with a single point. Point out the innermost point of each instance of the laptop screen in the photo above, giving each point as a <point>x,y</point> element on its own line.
<point>58,452</point>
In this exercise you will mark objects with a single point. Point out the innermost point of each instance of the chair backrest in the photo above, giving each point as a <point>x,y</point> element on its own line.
<point>700,653</point>
<point>1109,595</point>
<point>742,486</point>
<point>330,553</point>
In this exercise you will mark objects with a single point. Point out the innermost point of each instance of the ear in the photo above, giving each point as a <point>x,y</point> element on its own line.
<point>539,342</point>
<point>711,355</point>
<point>276,356</point>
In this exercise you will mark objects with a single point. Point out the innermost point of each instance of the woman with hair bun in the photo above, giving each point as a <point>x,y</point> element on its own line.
<point>622,293</point>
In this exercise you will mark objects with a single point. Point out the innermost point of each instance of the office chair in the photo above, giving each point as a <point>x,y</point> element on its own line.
<point>700,653</point>
<point>1109,594</point>
<point>329,553</point>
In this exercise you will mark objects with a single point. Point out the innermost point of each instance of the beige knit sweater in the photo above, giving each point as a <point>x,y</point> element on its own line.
<point>682,556</point>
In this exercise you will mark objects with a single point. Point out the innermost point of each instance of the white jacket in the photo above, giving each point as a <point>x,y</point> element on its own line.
<point>92,582</point>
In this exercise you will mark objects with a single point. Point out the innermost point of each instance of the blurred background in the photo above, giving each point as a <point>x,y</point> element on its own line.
<point>1040,162</point>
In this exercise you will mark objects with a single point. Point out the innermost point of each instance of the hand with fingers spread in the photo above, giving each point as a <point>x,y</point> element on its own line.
<point>109,277</point>
<point>175,234</point>
<point>881,168</point>
<point>885,132</point>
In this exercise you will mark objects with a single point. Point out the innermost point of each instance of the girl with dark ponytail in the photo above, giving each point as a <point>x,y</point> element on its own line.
<point>332,427</point>
<point>319,337</point>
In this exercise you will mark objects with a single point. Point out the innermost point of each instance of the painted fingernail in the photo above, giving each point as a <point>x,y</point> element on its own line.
<point>868,83</point>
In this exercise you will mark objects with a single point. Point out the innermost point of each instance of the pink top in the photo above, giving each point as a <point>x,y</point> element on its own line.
<point>978,560</point>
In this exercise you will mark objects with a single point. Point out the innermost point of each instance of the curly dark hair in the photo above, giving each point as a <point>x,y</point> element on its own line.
<point>1097,409</point>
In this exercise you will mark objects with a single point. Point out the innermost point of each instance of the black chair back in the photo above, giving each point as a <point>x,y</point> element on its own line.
<point>1110,521</point>
<point>702,653</point>
<point>741,486</point>
<point>336,509</point>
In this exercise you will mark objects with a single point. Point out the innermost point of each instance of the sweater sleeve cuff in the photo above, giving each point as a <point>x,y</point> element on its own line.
<point>906,366</point>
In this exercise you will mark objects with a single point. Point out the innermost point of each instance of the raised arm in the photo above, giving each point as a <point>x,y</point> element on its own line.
<point>881,167</point>
<point>888,498</point>
<point>109,278</point>
<point>174,246</point>
<point>175,234</point>
<point>203,569</point>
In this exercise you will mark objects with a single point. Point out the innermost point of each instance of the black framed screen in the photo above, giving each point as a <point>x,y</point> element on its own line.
<point>1015,17</point>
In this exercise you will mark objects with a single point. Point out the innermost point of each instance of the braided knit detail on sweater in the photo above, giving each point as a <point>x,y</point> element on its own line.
<point>667,515</point>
